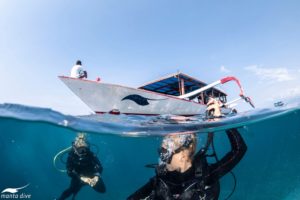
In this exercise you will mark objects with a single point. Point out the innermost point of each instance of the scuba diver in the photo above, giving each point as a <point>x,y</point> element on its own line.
<point>183,175</point>
<point>83,167</point>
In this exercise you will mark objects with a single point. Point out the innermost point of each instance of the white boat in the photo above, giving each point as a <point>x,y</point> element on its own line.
<point>176,94</point>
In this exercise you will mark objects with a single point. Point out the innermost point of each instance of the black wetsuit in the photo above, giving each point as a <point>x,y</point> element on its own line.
<point>191,184</point>
<point>87,165</point>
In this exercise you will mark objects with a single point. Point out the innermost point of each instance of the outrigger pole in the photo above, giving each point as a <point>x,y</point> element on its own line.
<point>222,81</point>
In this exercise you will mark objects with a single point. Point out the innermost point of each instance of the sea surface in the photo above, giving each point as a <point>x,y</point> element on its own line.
<point>31,137</point>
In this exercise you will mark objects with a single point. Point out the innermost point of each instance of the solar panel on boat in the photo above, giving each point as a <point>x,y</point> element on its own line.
<point>170,85</point>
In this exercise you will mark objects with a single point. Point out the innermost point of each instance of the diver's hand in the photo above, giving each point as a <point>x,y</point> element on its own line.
<point>85,179</point>
<point>91,181</point>
<point>94,181</point>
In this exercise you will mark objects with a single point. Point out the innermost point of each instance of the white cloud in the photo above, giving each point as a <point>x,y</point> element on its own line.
<point>291,92</point>
<point>287,95</point>
<point>271,74</point>
<point>224,69</point>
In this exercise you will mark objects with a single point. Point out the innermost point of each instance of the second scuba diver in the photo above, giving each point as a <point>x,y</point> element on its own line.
<point>182,174</point>
<point>185,176</point>
<point>83,167</point>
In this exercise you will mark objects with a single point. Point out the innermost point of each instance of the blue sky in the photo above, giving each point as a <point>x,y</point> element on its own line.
<point>131,42</point>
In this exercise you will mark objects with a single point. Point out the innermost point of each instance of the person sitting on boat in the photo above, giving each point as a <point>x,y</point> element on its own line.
<point>83,167</point>
<point>77,71</point>
<point>182,174</point>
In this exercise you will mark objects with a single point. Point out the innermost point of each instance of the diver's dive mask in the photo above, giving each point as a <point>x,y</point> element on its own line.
<point>80,145</point>
<point>81,151</point>
<point>165,156</point>
<point>171,146</point>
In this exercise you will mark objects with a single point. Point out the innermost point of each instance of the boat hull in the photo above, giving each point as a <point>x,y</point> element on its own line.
<point>110,98</point>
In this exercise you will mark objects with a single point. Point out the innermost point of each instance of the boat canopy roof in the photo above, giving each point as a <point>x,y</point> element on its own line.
<point>172,84</point>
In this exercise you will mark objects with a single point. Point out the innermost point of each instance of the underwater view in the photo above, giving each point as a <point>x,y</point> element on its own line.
<point>34,145</point>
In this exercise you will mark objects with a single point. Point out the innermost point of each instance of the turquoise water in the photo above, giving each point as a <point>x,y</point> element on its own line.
<point>31,137</point>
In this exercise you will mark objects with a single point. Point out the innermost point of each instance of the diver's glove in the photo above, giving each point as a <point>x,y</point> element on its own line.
<point>94,181</point>
<point>91,181</point>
